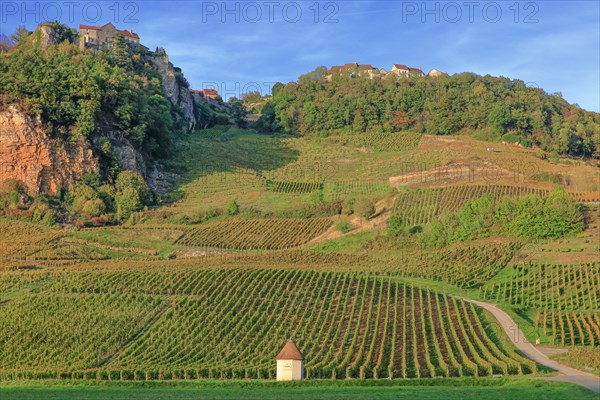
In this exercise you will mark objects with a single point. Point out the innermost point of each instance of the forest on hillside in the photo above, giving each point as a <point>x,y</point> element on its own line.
<point>490,107</point>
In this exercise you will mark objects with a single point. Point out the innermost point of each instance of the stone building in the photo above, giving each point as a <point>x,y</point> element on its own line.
<point>290,363</point>
<point>101,36</point>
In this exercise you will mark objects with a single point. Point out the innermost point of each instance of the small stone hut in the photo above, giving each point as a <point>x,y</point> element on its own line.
<point>290,363</point>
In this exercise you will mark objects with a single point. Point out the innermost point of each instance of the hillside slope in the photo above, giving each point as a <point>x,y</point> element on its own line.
<point>65,111</point>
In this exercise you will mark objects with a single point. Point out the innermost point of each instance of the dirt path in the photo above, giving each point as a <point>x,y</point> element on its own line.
<point>568,374</point>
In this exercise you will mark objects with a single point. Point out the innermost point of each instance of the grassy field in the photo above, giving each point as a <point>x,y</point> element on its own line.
<point>459,390</point>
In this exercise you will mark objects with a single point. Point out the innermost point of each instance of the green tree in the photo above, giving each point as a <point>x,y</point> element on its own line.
<point>232,208</point>
<point>238,113</point>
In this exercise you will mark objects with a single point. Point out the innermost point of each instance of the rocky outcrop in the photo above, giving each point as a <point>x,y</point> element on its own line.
<point>41,163</point>
<point>48,36</point>
<point>435,73</point>
<point>179,95</point>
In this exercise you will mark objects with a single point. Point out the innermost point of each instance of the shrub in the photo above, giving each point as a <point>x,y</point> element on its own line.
<point>344,226</point>
<point>14,198</point>
<point>348,206</point>
<point>39,209</point>
<point>51,217</point>
<point>9,185</point>
<point>415,229</point>
<point>133,180</point>
<point>128,200</point>
<point>91,179</point>
<point>132,194</point>
<point>83,198</point>
<point>94,208</point>
<point>396,225</point>
<point>317,198</point>
<point>232,208</point>
<point>364,207</point>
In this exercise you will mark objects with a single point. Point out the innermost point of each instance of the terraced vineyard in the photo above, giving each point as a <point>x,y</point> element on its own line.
<point>293,187</point>
<point>267,234</point>
<point>423,205</point>
<point>186,323</point>
<point>70,332</point>
<point>337,190</point>
<point>564,297</point>
<point>463,266</point>
<point>380,141</point>
<point>585,196</point>
<point>553,287</point>
<point>22,240</point>
<point>570,328</point>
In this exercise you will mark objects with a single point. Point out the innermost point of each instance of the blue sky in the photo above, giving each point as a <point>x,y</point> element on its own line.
<point>240,46</point>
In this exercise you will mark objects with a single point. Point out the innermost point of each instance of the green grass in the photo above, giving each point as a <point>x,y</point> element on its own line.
<point>448,389</point>
<point>348,243</point>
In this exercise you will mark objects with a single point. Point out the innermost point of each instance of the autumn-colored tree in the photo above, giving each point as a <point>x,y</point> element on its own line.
<point>400,121</point>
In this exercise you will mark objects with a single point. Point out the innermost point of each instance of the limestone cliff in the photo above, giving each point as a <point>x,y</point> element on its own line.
<point>173,88</point>
<point>41,163</point>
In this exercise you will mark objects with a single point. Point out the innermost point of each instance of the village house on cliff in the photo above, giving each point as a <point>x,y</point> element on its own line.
<point>103,36</point>
<point>356,69</point>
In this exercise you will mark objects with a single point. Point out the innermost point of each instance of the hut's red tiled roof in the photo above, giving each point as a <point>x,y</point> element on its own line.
<point>210,92</point>
<point>290,352</point>
<point>401,66</point>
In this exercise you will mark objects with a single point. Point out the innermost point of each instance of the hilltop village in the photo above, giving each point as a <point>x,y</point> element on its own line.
<point>105,36</point>
<point>99,37</point>
<point>372,72</point>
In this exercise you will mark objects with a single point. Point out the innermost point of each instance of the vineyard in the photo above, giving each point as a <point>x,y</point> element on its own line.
<point>384,142</point>
<point>421,206</point>
<point>553,287</point>
<point>293,187</point>
<point>570,328</point>
<point>187,323</point>
<point>465,266</point>
<point>184,290</point>
<point>267,234</point>
<point>337,190</point>
<point>565,297</point>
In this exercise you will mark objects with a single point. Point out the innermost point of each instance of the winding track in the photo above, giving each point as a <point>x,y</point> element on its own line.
<point>568,374</point>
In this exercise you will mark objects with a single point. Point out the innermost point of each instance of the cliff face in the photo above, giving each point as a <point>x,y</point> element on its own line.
<point>179,95</point>
<point>41,163</point>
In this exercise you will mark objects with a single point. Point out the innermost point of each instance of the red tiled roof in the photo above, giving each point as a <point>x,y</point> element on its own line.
<point>415,70</point>
<point>90,27</point>
<point>401,66</point>
<point>344,67</point>
<point>290,352</point>
<point>98,28</point>
<point>211,92</point>
<point>365,67</point>
<point>128,33</point>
